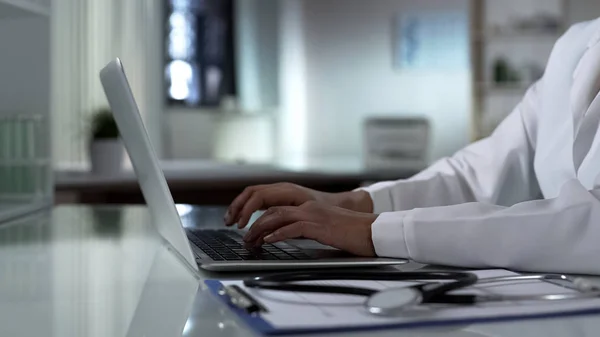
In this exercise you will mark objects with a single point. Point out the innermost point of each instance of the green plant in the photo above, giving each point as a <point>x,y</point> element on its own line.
<point>103,125</point>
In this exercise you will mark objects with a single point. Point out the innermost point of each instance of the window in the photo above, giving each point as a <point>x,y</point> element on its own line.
<point>199,48</point>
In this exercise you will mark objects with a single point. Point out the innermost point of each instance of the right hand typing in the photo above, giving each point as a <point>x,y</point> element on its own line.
<point>263,197</point>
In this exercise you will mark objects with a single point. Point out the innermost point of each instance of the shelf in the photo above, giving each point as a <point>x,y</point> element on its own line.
<point>517,34</point>
<point>511,88</point>
<point>10,9</point>
<point>24,162</point>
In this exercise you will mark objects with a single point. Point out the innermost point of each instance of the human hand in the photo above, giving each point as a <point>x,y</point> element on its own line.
<point>261,197</point>
<point>333,226</point>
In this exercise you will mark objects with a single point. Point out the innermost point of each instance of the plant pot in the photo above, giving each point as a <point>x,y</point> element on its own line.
<point>106,156</point>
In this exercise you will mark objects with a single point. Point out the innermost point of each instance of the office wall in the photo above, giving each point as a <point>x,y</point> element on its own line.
<point>335,69</point>
<point>257,59</point>
<point>351,76</point>
<point>346,54</point>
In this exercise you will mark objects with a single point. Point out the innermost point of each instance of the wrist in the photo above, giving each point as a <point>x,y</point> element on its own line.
<point>358,201</point>
<point>370,242</point>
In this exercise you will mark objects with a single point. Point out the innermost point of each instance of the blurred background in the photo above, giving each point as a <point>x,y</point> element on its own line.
<point>331,94</point>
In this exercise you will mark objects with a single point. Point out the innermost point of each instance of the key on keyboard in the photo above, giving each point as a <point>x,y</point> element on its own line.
<point>226,245</point>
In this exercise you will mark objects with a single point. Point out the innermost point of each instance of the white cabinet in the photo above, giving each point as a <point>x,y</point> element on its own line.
<point>25,165</point>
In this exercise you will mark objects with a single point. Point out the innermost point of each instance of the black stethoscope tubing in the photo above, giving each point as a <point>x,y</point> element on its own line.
<point>434,292</point>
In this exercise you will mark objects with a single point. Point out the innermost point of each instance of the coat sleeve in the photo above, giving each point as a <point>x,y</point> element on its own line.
<point>477,173</point>
<point>549,235</point>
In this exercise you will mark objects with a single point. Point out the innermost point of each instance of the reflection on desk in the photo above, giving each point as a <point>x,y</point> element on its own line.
<point>80,271</point>
<point>86,272</point>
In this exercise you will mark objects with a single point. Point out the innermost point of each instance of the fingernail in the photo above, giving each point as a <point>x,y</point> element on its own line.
<point>227,217</point>
<point>269,238</point>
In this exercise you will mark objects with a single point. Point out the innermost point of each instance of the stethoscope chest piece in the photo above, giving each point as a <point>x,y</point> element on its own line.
<point>393,301</point>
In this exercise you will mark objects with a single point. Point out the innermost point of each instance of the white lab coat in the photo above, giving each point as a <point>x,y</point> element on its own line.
<point>528,197</point>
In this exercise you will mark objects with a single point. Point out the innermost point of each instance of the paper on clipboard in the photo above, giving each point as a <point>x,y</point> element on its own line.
<point>290,312</point>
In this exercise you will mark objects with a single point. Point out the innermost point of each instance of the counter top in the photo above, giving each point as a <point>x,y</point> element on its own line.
<point>207,171</point>
<point>209,182</point>
<point>82,271</point>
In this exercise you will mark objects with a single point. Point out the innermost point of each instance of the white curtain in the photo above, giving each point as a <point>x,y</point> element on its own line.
<point>86,34</point>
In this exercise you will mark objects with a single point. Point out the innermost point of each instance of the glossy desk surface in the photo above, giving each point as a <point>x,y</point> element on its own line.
<point>79,271</point>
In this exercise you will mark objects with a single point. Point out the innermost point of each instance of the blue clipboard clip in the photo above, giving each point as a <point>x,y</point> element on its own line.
<point>241,299</point>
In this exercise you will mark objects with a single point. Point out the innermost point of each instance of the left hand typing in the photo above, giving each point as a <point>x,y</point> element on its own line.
<point>333,226</point>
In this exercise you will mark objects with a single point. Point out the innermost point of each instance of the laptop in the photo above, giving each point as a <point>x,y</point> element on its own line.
<point>217,248</point>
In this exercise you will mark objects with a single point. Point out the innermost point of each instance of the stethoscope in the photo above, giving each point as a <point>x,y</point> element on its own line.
<point>394,301</point>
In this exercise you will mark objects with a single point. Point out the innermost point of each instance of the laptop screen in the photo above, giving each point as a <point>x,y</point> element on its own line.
<point>145,163</point>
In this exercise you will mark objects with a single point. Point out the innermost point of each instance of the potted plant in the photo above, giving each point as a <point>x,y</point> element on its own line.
<point>106,147</point>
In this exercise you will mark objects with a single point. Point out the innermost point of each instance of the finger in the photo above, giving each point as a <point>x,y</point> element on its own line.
<point>254,244</point>
<point>262,199</point>
<point>236,205</point>
<point>300,229</point>
<point>273,219</point>
<point>232,214</point>
<point>254,203</point>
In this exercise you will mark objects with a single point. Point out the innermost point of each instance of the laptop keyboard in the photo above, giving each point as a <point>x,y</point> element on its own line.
<point>226,245</point>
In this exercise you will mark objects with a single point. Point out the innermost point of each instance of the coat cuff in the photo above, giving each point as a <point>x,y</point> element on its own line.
<point>389,235</point>
<point>381,197</point>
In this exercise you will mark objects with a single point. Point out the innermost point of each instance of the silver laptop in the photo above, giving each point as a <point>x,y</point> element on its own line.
<point>211,249</point>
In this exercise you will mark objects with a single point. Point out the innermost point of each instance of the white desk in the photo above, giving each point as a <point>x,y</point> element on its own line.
<point>101,272</point>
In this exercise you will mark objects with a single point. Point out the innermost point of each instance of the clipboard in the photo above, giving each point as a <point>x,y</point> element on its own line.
<point>266,324</point>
